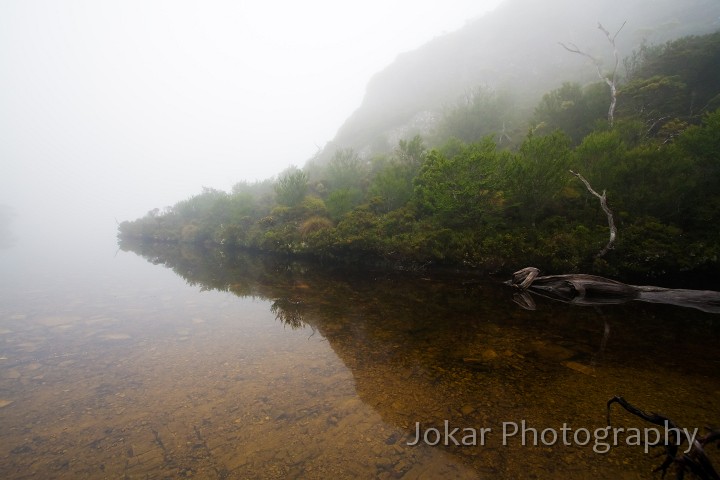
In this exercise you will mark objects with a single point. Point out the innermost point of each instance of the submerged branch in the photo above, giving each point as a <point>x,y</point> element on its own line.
<point>692,459</point>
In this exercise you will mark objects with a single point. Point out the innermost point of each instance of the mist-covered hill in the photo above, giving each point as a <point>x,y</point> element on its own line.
<point>512,49</point>
<point>487,184</point>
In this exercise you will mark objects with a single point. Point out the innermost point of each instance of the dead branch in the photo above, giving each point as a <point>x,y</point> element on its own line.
<point>612,82</point>
<point>523,278</point>
<point>611,79</point>
<point>694,460</point>
<point>606,209</point>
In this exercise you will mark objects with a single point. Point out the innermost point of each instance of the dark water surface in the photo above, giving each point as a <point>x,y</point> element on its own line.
<point>113,366</point>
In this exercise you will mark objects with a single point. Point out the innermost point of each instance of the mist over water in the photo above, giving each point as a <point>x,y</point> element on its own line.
<point>111,110</point>
<point>166,361</point>
<point>158,360</point>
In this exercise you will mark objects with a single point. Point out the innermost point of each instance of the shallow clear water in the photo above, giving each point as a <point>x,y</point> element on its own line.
<point>113,366</point>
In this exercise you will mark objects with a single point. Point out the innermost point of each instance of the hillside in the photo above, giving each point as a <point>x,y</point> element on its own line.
<point>464,196</point>
<point>513,49</point>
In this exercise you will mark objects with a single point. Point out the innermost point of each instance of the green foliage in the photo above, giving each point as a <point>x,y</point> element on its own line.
<point>191,233</point>
<point>291,187</point>
<point>535,177</point>
<point>392,186</point>
<point>313,225</point>
<point>345,171</point>
<point>693,60</point>
<point>657,100</point>
<point>411,153</point>
<point>313,206</point>
<point>342,201</point>
<point>699,148</point>
<point>457,189</point>
<point>477,200</point>
<point>573,109</point>
<point>676,82</point>
<point>483,112</point>
<point>703,142</point>
<point>598,151</point>
<point>391,182</point>
<point>650,247</point>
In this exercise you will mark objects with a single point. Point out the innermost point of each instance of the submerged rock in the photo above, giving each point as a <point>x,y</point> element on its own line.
<point>579,367</point>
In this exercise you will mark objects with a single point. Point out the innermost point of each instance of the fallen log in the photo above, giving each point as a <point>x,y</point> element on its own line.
<point>585,289</point>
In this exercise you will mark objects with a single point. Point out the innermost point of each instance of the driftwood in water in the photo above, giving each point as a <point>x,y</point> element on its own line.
<point>594,290</point>
<point>692,459</point>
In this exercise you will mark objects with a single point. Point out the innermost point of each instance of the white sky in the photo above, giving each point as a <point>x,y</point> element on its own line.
<point>112,108</point>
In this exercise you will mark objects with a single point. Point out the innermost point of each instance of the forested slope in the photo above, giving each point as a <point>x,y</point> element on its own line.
<point>514,53</point>
<point>496,203</point>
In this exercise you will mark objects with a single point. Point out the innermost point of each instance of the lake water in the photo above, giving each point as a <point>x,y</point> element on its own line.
<point>184,363</point>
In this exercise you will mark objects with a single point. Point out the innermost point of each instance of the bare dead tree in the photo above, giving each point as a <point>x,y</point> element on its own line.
<point>606,209</point>
<point>610,79</point>
<point>503,135</point>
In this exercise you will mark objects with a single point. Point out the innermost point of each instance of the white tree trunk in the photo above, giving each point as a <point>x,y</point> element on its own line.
<point>606,209</point>
<point>611,79</point>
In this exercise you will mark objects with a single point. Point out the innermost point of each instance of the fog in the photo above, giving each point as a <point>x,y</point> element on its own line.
<point>109,109</point>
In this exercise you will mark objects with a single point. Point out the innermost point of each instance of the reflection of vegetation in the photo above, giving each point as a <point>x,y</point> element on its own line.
<point>478,200</point>
<point>288,312</point>
<point>217,269</point>
<point>429,349</point>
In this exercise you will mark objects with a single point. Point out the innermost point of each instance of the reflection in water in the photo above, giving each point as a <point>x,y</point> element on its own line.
<point>589,290</point>
<point>278,370</point>
<point>288,312</point>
